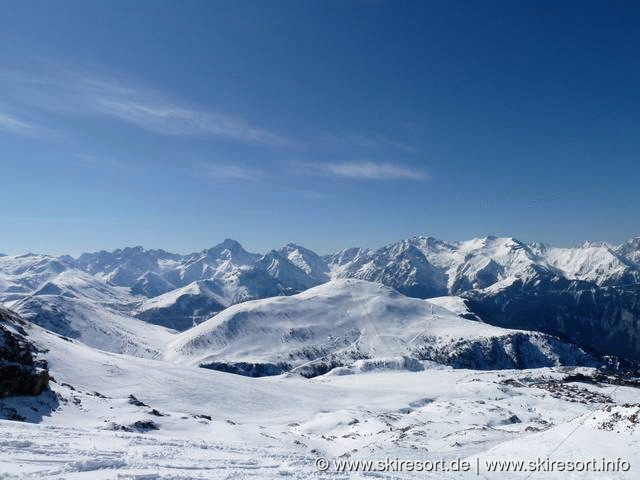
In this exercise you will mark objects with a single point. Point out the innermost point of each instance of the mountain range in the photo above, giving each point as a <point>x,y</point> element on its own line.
<point>586,295</point>
<point>140,363</point>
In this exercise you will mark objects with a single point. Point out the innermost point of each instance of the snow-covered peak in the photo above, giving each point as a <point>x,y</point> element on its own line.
<point>123,267</point>
<point>630,250</point>
<point>342,321</point>
<point>593,262</point>
<point>294,270</point>
<point>231,250</point>
<point>307,261</point>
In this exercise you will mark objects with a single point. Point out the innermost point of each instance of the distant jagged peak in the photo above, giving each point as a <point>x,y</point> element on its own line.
<point>432,243</point>
<point>227,244</point>
<point>403,248</point>
<point>233,251</point>
<point>539,247</point>
<point>30,255</point>
<point>493,241</point>
<point>436,245</point>
<point>507,248</point>
<point>595,244</point>
<point>631,245</point>
<point>293,251</point>
<point>103,259</point>
<point>630,252</point>
<point>306,260</point>
<point>136,249</point>
<point>291,247</point>
<point>32,264</point>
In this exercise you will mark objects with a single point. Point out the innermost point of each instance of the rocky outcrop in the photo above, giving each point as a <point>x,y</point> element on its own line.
<point>603,320</point>
<point>520,350</point>
<point>21,373</point>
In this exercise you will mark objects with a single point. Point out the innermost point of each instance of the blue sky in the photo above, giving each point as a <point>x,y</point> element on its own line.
<point>328,124</point>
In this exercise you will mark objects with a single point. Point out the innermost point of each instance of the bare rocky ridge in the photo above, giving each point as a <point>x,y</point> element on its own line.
<point>20,372</point>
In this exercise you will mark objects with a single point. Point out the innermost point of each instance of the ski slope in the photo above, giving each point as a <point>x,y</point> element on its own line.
<point>112,416</point>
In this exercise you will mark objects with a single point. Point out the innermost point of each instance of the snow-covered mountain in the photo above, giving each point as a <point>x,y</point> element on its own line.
<point>108,415</point>
<point>23,274</point>
<point>124,266</point>
<point>75,304</point>
<point>108,393</point>
<point>421,267</point>
<point>587,294</point>
<point>184,307</point>
<point>339,322</point>
<point>491,273</point>
<point>426,267</point>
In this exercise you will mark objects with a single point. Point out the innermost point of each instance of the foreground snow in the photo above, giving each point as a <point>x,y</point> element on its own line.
<point>114,416</point>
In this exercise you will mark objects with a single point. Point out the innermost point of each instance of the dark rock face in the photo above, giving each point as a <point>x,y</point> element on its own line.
<point>20,372</point>
<point>16,379</point>
<point>603,320</point>
<point>517,351</point>
<point>248,369</point>
<point>186,312</point>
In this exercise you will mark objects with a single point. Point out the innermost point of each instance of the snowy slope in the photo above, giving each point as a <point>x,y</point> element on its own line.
<point>182,308</point>
<point>75,304</point>
<point>111,416</point>
<point>150,285</point>
<point>340,322</point>
<point>95,325</point>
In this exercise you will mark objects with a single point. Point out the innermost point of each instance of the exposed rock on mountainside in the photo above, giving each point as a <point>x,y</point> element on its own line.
<point>603,319</point>
<point>20,372</point>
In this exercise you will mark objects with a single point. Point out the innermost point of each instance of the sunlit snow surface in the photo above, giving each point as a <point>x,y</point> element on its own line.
<point>217,425</point>
<point>130,414</point>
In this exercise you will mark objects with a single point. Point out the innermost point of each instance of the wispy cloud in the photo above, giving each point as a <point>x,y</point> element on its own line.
<point>197,169</point>
<point>16,126</point>
<point>363,170</point>
<point>72,93</point>
<point>233,172</point>
<point>367,142</point>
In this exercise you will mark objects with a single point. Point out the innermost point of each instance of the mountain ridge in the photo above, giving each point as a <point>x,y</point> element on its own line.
<point>492,274</point>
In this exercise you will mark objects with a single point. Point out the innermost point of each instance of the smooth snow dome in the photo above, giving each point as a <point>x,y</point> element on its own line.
<point>364,310</point>
<point>335,324</point>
